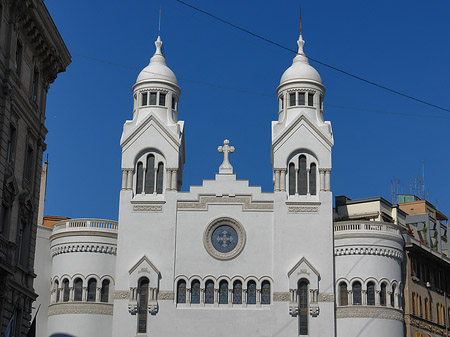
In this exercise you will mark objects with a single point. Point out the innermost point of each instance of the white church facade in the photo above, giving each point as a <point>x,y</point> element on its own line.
<point>224,258</point>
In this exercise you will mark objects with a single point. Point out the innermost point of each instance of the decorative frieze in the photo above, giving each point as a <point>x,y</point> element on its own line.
<point>303,209</point>
<point>166,295</point>
<point>381,251</point>
<point>147,208</point>
<point>84,248</point>
<point>369,312</point>
<point>246,201</point>
<point>80,308</point>
<point>281,296</point>
<point>121,294</point>
<point>324,297</point>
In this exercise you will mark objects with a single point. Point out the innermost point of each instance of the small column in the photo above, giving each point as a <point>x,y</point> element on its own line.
<point>84,294</point>
<point>307,181</point>
<point>124,178</point>
<point>244,296</point>
<point>168,178</point>
<point>377,297</point>
<point>202,296</point>
<point>258,297</point>
<point>216,296</point>
<point>322,179</point>
<point>230,297</point>
<point>350,297</point>
<point>174,180</point>
<point>188,295</point>
<point>388,299</point>
<point>277,180</point>
<point>98,295</point>
<point>129,179</point>
<point>296,181</point>
<point>327,180</point>
<point>283,180</point>
<point>71,294</point>
<point>364,297</point>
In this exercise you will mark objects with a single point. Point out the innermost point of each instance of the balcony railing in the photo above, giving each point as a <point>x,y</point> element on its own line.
<point>366,226</point>
<point>85,223</point>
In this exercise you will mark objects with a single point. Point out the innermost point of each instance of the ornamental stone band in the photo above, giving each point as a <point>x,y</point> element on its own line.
<point>80,308</point>
<point>121,294</point>
<point>369,312</point>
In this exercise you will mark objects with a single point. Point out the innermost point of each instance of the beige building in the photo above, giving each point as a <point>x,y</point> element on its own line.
<point>32,53</point>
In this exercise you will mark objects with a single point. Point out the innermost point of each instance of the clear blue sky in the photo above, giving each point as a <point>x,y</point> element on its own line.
<point>228,81</point>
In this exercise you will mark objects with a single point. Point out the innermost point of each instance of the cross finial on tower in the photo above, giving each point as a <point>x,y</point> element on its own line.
<point>300,41</point>
<point>159,22</point>
<point>226,167</point>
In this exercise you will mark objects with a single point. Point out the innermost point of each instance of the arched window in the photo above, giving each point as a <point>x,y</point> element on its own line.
<point>104,295</point>
<point>150,175</point>
<point>237,292</point>
<point>92,289</point>
<point>223,292</point>
<point>181,291</point>
<point>426,309</point>
<point>209,292</point>
<point>265,292</point>
<point>251,292</point>
<point>303,307</point>
<point>159,178</point>
<point>356,290</point>
<point>291,179</point>
<point>78,290</point>
<point>66,290</point>
<point>302,183</point>
<point>195,291</point>
<point>142,298</point>
<point>370,293</point>
<point>312,179</point>
<point>56,287</point>
<point>393,296</point>
<point>413,304</point>
<point>343,294</point>
<point>139,178</point>
<point>383,294</point>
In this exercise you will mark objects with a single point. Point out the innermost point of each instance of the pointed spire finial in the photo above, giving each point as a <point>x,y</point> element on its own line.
<point>159,23</point>
<point>300,42</point>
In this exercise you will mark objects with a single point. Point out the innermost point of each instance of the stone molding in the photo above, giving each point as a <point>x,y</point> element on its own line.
<point>303,209</point>
<point>121,294</point>
<point>80,308</point>
<point>281,297</point>
<point>355,311</point>
<point>83,248</point>
<point>424,325</point>
<point>147,208</point>
<point>301,90</point>
<point>166,295</point>
<point>246,201</point>
<point>210,229</point>
<point>386,252</point>
<point>324,297</point>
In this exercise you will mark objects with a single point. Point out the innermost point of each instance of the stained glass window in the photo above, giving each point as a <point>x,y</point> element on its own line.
<point>383,294</point>
<point>139,178</point>
<point>78,289</point>
<point>303,307</point>
<point>104,295</point>
<point>343,294</point>
<point>195,291</point>
<point>301,98</point>
<point>181,291</point>
<point>370,293</point>
<point>251,292</point>
<point>66,291</point>
<point>291,179</point>
<point>265,292</point>
<point>237,292</point>
<point>356,289</point>
<point>142,305</point>
<point>150,175</point>
<point>310,99</point>
<point>302,175</point>
<point>223,292</point>
<point>159,178</point>
<point>57,291</point>
<point>92,290</point>
<point>312,179</point>
<point>209,292</point>
<point>224,238</point>
<point>393,296</point>
<point>153,98</point>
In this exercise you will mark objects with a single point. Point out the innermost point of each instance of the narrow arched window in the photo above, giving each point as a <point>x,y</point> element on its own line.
<point>343,294</point>
<point>302,176</point>
<point>78,289</point>
<point>104,295</point>
<point>303,307</point>
<point>159,178</point>
<point>265,292</point>
<point>426,309</point>
<point>142,299</point>
<point>237,292</point>
<point>66,290</point>
<point>312,179</point>
<point>209,292</point>
<point>251,292</point>
<point>92,289</point>
<point>150,175</point>
<point>393,296</point>
<point>291,179</point>
<point>370,293</point>
<point>195,291</point>
<point>356,290</point>
<point>57,291</point>
<point>223,292</point>
<point>139,178</point>
<point>181,291</point>
<point>383,294</point>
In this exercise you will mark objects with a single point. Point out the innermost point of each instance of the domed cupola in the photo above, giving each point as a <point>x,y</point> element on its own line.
<point>156,89</point>
<point>301,89</point>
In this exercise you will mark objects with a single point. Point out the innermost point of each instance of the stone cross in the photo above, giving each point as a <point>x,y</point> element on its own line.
<point>226,167</point>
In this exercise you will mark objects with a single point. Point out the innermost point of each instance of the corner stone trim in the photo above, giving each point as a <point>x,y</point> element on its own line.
<point>121,294</point>
<point>324,297</point>
<point>147,208</point>
<point>90,248</point>
<point>246,201</point>
<point>281,297</point>
<point>369,312</point>
<point>386,252</point>
<point>80,308</point>
<point>303,209</point>
<point>166,295</point>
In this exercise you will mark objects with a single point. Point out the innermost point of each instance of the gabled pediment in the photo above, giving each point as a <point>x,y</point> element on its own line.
<point>144,261</point>
<point>303,269</point>
<point>144,268</point>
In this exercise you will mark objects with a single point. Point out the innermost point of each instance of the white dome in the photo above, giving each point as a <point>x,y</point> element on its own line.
<point>157,68</point>
<point>300,70</point>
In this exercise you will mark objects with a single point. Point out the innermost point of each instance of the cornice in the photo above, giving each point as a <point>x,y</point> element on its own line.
<point>92,232</point>
<point>369,250</point>
<point>84,248</point>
